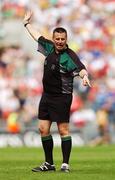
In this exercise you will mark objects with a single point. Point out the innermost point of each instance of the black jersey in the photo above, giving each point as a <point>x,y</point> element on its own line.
<point>59,68</point>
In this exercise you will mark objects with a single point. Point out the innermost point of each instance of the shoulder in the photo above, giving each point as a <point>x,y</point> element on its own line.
<point>72,54</point>
<point>43,39</point>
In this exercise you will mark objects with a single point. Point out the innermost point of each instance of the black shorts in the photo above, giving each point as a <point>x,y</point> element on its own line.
<point>55,108</point>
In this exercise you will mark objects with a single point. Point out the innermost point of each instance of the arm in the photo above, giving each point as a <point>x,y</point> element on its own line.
<point>84,75</point>
<point>80,68</point>
<point>34,34</point>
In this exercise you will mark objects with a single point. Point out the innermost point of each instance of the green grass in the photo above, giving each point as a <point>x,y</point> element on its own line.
<point>87,163</point>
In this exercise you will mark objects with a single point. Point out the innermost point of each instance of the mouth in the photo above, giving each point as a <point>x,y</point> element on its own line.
<point>59,46</point>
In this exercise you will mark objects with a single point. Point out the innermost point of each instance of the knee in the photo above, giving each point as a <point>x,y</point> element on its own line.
<point>43,130</point>
<point>63,131</point>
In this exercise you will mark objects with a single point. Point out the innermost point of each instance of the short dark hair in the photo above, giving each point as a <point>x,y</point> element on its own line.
<point>60,30</point>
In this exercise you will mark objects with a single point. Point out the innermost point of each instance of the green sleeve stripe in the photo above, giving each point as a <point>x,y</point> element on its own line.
<point>45,138</point>
<point>46,44</point>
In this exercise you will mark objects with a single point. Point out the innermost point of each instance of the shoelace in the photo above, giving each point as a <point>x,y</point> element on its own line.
<point>43,167</point>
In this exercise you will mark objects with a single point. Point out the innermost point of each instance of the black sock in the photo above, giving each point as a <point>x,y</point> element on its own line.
<point>66,145</point>
<point>47,143</point>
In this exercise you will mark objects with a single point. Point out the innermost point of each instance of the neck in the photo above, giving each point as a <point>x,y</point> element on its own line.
<point>57,51</point>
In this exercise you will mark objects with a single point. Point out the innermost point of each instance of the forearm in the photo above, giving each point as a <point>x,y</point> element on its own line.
<point>32,31</point>
<point>83,73</point>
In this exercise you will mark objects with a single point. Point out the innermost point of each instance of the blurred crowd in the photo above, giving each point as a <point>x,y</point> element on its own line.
<point>91,34</point>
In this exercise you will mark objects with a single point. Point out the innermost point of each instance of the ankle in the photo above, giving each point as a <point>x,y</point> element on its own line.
<point>65,164</point>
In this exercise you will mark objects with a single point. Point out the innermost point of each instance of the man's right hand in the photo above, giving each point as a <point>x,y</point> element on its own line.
<point>32,31</point>
<point>27,17</point>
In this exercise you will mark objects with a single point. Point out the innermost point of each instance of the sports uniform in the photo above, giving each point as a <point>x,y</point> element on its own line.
<point>59,71</point>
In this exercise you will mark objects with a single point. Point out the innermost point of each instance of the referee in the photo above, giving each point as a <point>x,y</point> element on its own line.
<point>60,67</point>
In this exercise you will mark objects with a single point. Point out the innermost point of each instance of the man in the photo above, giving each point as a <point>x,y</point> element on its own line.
<point>60,67</point>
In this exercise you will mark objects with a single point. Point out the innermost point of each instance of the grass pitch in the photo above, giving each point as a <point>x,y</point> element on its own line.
<point>87,163</point>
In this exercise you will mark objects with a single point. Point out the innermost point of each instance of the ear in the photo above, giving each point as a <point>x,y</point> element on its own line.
<point>53,38</point>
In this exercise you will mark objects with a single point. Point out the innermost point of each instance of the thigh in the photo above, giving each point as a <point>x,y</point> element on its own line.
<point>59,108</point>
<point>43,109</point>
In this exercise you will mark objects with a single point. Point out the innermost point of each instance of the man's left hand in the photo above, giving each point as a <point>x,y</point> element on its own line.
<point>86,81</point>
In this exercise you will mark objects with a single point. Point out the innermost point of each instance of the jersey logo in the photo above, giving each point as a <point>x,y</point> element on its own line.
<point>53,66</point>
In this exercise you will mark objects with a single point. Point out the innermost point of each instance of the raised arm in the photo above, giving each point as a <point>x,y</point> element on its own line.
<point>32,31</point>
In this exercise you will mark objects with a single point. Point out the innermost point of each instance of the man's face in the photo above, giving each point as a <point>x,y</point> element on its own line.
<point>60,40</point>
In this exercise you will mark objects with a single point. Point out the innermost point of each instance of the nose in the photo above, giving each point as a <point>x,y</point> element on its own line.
<point>60,40</point>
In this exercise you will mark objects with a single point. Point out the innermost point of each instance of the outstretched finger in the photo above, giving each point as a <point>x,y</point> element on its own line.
<point>89,84</point>
<point>28,14</point>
